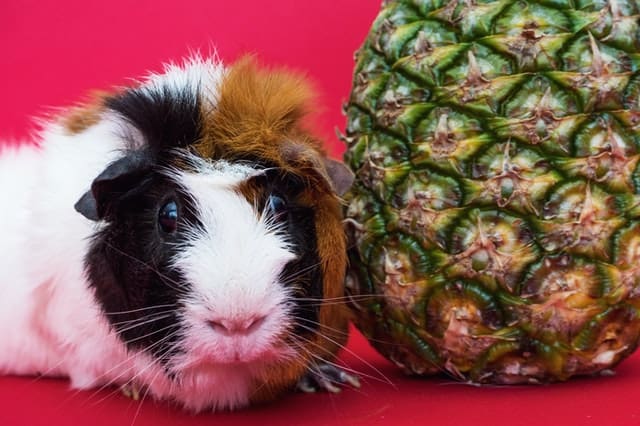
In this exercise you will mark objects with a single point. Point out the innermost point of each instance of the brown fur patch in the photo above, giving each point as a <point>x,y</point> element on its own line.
<point>260,116</point>
<point>258,111</point>
<point>81,117</point>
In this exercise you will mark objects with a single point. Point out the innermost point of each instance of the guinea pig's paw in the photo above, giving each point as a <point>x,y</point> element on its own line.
<point>326,377</point>
<point>130,390</point>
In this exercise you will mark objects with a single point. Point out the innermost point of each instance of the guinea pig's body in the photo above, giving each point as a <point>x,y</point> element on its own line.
<point>178,237</point>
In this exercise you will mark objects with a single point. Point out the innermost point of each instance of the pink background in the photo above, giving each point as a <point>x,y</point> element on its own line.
<point>53,52</point>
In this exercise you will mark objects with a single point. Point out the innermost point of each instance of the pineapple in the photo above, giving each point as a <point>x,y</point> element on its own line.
<point>495,217</point>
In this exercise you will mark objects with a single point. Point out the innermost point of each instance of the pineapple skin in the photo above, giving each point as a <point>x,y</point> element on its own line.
<point>495,218</point>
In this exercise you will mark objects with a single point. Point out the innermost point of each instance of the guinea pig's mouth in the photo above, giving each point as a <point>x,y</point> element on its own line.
<point>212,365</point>
<point>238,357</point>
<point>243,351</point>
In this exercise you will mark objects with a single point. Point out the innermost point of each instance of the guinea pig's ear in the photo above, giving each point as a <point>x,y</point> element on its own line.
<point>333,173</point>
<point>340,176</point>
<point>117,179</point>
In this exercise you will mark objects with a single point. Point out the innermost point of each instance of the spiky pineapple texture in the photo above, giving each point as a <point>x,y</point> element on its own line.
<point>495,217</point>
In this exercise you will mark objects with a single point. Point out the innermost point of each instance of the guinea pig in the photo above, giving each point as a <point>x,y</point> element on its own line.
<point>182,237</point>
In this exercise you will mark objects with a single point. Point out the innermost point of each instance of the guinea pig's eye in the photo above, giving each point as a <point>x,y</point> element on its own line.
<point>276,207</point>
<point>168,217</point>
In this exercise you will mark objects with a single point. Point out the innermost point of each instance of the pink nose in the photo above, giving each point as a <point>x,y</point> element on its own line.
<point>231,326</point>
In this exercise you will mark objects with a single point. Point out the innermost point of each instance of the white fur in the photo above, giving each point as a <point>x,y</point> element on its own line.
<point>233,264</point>
<point>42,255</point>
<point>202,74</point>
<point>49,320</point>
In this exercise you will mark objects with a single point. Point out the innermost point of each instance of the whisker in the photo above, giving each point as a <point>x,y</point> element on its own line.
<point>43,375</point>
<point>340,332</point>
<point>147,321</point>
<point>142,318</point>
<point>150,334</point>
<point>385,379</point>
<point>169,305</point>
<point>440,368</point>
<point>166,280</point>
<point>337,365</point>
<point>314,367</point>
<point>345,298</point>
<point>155,360</point>
<point>294,359</point>
<point>291,278</point>
<point>324,326</point>
<point>144,396</point>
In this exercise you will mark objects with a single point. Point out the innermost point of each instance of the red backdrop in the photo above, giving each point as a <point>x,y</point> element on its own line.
<point>53,52</point>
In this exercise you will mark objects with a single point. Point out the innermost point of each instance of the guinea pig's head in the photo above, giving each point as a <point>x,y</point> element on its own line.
<point>214,256</point>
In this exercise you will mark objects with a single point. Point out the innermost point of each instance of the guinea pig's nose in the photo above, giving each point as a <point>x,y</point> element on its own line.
<point>242,325</point>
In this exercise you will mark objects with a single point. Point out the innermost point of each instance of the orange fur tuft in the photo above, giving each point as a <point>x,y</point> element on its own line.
<point>257,111</point>
<point>82,117</point>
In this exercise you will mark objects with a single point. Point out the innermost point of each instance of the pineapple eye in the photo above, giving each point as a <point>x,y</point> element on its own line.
<point>168,217</point>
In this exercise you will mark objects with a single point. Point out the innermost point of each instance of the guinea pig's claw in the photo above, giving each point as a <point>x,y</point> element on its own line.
<point>328,378</point>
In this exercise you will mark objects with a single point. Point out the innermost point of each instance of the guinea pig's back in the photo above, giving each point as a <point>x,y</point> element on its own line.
<point>19,167</point>
<point>39,185</point>
<point>44,240</point>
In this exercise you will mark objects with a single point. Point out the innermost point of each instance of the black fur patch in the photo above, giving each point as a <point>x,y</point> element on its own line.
<point>308,285</point>
<point>129,267</point>
<point>304,274</point>
<point>129,260</point>
<point>166,118</point>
